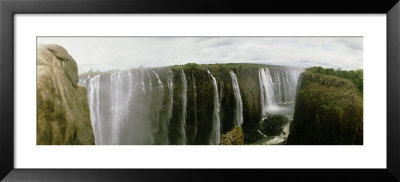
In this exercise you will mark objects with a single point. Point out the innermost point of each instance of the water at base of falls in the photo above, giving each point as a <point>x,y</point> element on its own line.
<point>287,110</point>
<point>278,93</point>
<point>281,139</point>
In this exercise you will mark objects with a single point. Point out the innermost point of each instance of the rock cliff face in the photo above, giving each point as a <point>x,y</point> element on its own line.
<point>329,110</point>
<point>63,115</point>
<point>184,104</point>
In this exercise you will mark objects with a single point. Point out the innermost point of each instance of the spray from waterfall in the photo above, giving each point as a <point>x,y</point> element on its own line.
<point>238,118</point>
<point>215,133</point>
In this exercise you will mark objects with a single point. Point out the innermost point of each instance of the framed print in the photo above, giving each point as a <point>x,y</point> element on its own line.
<point>154,90</point>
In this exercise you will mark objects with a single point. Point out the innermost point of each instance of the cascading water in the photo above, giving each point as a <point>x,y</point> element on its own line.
<point>160,106</point>
<point>120,100</point>
<point>238,118</point>
<point>116,99</point>
<point>285,87</point>
<point>278,94</point>
<point>134,115</point>
<point>182,139</point>
<point>170,84</point>
<point>215,133</point>
<point>157,103</point>
<point>142,85</point>
<point>93,98</point>
<point>194,107</point>
<point>165,106</point>
<point>277,88</point>
<point>267,90</point>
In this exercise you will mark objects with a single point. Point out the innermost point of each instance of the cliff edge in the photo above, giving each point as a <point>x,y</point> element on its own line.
<point>328,111</point>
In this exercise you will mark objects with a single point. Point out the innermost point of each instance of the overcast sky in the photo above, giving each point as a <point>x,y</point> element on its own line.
<point>107,53</point>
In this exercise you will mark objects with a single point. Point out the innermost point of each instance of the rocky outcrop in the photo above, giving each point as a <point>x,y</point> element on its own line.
<point>273,124</point>
<point>234,137</point>
<point>62,105</point>
<point>328,111</point>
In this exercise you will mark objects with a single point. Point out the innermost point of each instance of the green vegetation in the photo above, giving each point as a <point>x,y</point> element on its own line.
<point>191,66</point>
<point>356,76</point>
<point>90,73</point>
<point>234,137</point>
<point>328,111</point>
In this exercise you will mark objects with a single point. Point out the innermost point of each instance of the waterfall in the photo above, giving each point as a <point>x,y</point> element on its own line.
<point>285,85</point>
<point>184,103</point>
<point>266,89</point>
<point>136,110</point>
<point>139,106</point>
<point>93,97</point>
<point>165,109</point>
<point>117,99</point>
<point>157,100</point>
<point>143,86</point>
<point>170,84</point>
<point>150,81</point>
<point>194,107</point>
<point>215,133</point>
<point>158,79</point>
<point>278,87</point>
<point>144,110</point>
<point>238,118</point>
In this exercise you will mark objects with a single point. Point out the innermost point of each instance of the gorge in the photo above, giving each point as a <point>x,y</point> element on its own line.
<point>187,104</point>
<point>191,104</point>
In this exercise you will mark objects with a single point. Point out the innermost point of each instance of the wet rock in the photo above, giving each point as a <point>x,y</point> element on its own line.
<point>273,124</point>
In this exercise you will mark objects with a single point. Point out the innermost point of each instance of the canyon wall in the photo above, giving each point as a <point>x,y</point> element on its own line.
<point>185,104</point>
<point>328,111</point>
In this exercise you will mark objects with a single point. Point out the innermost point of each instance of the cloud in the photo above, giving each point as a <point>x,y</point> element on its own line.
<point>352,43</point>
<point>106,53</point>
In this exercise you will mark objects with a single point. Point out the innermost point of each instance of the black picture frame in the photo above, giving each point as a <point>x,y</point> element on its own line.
<point>9,8</point>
